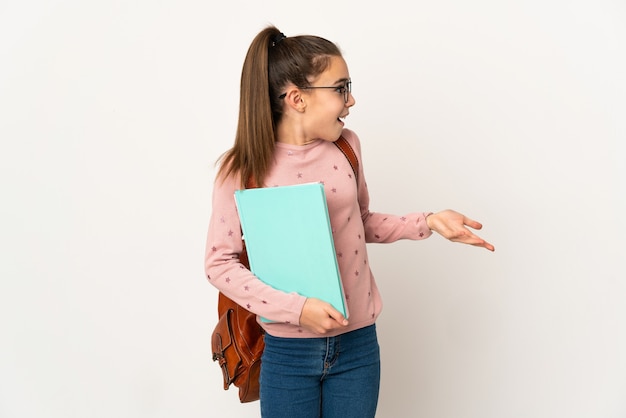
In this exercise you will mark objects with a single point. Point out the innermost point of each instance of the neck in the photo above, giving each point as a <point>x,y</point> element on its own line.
<point>292,135</point>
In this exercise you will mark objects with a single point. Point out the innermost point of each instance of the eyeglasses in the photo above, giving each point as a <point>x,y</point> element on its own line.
<point>346,89</point>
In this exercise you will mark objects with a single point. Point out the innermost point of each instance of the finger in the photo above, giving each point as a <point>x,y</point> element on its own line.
<point>472,223</point>
<point>479,242</point>
<point>337,316</point>
<point>468,238</point>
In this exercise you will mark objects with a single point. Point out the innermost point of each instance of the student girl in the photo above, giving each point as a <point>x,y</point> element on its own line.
<point>295,95</point>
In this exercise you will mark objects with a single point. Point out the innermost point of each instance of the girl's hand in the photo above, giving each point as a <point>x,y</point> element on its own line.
<point>320,317</point>
<point>452,225</point>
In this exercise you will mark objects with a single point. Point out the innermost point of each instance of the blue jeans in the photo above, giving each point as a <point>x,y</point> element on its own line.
<point>321,377</point>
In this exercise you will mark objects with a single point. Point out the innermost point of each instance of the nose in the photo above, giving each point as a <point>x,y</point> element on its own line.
<point>351,101</point>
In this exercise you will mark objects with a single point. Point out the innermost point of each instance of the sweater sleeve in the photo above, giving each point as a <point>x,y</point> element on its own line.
<point>225,271</point>
<point>382,227</point>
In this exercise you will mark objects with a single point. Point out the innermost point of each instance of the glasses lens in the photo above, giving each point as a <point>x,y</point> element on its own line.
<point>347,91</point>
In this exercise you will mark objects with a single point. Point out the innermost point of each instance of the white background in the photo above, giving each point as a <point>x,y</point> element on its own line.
<point>112,114</point>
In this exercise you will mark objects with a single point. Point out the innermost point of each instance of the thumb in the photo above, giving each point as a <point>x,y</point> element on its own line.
<point>336,315</point>
<point>472,223</point>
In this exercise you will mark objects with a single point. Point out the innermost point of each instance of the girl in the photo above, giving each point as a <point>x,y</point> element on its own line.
<point>295,94</point>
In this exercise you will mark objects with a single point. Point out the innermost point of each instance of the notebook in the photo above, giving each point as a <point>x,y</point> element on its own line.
<point>289,240</point>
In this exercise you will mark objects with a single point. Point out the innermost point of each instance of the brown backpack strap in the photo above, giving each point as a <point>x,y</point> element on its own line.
<point>347,150</point>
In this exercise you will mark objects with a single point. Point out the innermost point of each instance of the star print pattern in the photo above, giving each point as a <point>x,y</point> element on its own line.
<point>352,224</point>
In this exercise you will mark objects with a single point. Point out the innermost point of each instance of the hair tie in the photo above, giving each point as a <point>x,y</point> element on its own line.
<point>279,37</point>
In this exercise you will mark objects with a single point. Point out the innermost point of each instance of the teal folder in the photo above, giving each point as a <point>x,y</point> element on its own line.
<point>289,240</point>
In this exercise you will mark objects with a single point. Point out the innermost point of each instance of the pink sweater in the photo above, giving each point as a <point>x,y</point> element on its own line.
<point>352,223</point>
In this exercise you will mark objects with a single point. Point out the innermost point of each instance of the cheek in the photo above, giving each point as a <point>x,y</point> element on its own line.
<point>329,110</point>
<point>335,108</point>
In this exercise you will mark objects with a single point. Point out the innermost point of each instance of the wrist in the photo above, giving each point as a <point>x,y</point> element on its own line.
<point>428,220</point>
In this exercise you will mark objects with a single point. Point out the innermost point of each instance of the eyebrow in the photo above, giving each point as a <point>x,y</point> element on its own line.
<point>342,81</point>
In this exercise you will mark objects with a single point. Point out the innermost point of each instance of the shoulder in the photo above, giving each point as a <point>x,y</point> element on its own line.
<point>351,136</point>
<point>224,186</point>
<point>353,140</point>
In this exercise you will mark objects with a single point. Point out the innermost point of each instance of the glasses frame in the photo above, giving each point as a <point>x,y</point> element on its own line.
<point>345,89</point>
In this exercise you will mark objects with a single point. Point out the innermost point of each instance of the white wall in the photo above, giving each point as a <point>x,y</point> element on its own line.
<point>113,112</point>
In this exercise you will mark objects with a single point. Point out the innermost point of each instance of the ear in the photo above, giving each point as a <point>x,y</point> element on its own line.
<point>295,99</point>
